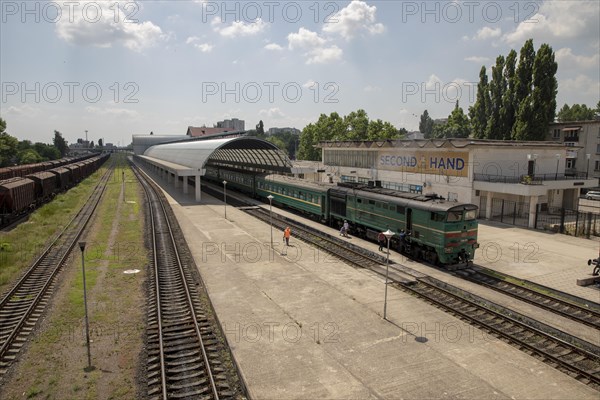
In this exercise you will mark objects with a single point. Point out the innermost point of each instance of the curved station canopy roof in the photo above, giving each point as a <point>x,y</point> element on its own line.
<point>192,157</point>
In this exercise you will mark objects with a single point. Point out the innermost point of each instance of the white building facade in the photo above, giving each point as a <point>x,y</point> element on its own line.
<point>490,174</point>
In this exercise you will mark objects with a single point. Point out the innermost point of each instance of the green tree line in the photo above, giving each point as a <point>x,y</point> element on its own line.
<point>354,126</point>
<point>15,152</point>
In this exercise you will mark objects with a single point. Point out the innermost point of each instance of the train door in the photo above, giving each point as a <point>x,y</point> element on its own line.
<point>408,219</point>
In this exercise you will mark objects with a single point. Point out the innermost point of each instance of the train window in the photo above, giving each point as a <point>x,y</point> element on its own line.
<point>371,202</point>
<point>470,215</point>
<point>359,200</point>
<point>400,209</point>
<point>437,217</point>
<point>384,206</point>
<point>454,216</point>
<point>378,205</point>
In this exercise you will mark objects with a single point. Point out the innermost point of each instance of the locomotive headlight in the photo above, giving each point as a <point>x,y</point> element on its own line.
<point>476,246</point>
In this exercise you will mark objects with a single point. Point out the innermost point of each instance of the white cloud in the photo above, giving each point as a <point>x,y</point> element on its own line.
<point>566,59</point>
<point>273,46</point>
<point>272,113</point>
<point>487,33</point>
<point>559,20</point>
<point>112,112</point>
<point>107,26</point>
<point>24,110</point>
<point>370,88</point>
<point>580,86</point>
<point>309,84</point>
<point>315,47</point>
<point>304,39</point>
<point>324,55</point>
<point>478,60</point>
<point>203,47</point>
<point>356,17</point>
<point>239,28</point>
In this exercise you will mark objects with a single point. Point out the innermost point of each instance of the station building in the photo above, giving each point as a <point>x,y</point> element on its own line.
<point>524,177</point>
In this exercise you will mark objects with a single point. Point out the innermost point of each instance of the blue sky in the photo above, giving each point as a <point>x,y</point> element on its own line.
<point>122,68</point>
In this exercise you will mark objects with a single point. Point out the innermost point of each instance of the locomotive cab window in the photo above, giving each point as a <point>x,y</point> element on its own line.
<point>454,216</point>
<point>437,217</point>
<point>470,215</point>
<point>400,209</point>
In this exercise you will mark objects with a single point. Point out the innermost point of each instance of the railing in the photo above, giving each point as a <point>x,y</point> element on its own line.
<point>536,179</point>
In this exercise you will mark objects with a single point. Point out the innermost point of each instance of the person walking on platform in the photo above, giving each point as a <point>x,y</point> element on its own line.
<point>381,240</point>
<point>286,235</point>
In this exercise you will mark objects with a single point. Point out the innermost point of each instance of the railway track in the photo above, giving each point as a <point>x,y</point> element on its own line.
<point>577,362</point>
<point>571,355</point>
<point>184,355</point>
<point>24,304</point>
<point>586,313</point>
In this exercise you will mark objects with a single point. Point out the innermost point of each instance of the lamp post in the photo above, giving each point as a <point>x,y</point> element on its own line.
<point>87,327</point>
<point>587,171</point>
<point>388,235</point>
<point>225,197</point>
<point>271,216</point>
<point>557,161</point>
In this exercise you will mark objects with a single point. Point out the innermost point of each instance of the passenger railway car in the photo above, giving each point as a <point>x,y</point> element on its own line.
<point>426,226</point>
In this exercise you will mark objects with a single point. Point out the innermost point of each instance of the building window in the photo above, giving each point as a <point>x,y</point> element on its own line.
<point>556,134</point>
<point>596,165</point>
<point>597,148</point>
<point>452,196</point>
<point>570,163</point>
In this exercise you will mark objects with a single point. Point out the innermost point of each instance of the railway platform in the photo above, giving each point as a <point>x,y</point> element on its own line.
<point>304,325</point>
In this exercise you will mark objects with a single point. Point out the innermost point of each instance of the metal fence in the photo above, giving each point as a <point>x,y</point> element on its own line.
<point>554,219</point>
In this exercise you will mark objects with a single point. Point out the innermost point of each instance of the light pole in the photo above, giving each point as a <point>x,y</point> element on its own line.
<point>587,171</point>
<point>225,197</point>
<point>388,235</point>
<point>557,161</point>
<point>271,216</point>
<point>87,326</point>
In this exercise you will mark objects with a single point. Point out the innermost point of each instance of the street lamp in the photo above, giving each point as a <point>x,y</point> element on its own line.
<point>557,161</point>
<point>271,216</point>
<point>388,235</point>
<point>225,197</point>
<point>87,327</point>
<point>587,171</point>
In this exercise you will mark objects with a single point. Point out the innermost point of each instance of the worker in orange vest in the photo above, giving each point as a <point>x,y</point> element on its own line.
<point>286,235</point>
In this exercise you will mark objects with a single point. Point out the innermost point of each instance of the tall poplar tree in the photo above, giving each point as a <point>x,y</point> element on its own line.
<point>508,110</point>
<point>545,88</point>
<point>523,82</point>
<point>497,89</point>
<point>479,111</point>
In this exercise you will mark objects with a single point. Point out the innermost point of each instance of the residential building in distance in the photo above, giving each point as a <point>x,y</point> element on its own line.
<point>233,124</point>
<point>274,131</point>
<point>582,139</point>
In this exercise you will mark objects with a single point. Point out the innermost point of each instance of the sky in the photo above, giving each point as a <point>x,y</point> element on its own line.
<point>118,68</point>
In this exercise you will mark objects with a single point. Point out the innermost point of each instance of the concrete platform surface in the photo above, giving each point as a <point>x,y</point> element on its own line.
<point>308,326</point>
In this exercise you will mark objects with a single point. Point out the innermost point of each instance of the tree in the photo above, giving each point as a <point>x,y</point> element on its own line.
<point>458,124</point>
<point>8,149</point>
<point>260,128</point>
<point>545,88</point>
<point>576,112</point>
<point>2,125</point>
<point>357,123</point>
<point>29,156</point>
<point>497,88</point>
<point>523,82</point>
<point>479,112</point>
<point>426,125</point>
<point>507,111</point>
<point>277,142</point>
<point>100,143</point>
<point>91,145</point>
<point>60,143</point>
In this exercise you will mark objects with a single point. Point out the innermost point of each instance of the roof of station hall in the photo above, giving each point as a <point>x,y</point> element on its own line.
<point>192,157</point>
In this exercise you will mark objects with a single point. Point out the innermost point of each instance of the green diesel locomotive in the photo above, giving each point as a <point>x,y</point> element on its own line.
<point>427,226</point>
